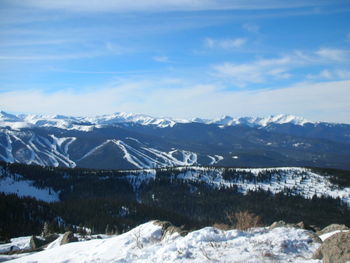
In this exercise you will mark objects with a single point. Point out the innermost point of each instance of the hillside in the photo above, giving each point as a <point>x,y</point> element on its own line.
<point>190,196</point>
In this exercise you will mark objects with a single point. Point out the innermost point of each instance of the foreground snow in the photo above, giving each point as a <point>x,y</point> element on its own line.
<point>146,243</point>
<point>16,243</point>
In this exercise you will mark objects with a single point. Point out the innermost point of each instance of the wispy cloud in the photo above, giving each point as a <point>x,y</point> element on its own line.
<point>263,70</point>
<point>333,54</point>
<point>324,74</point>
<point>39,57</point>
<point>161,59</point>
<point>330,74</point>
<point>160,5</point>
<point>256,72</point>
<point>47,42</point>
<point>178,100</point>
<point>224,43</point>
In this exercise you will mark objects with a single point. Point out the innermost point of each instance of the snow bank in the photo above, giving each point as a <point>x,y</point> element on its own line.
<point>145,244</point>
<point>15,244</point>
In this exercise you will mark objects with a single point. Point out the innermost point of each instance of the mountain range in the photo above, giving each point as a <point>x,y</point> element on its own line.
<point>129,141</point>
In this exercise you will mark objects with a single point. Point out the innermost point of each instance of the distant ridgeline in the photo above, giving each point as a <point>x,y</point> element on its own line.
<point>191,196</point>
<point>136,141</point>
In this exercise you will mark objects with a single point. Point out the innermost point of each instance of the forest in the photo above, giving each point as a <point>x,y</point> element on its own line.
<point>105,202</point>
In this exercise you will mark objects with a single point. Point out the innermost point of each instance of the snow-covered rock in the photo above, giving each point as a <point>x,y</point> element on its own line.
<point>146,243</point>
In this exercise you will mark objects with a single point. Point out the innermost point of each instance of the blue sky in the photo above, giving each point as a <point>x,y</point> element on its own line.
<point>178,58</point>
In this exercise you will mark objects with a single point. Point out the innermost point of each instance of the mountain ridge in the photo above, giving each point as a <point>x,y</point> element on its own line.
<point>127,141</point>
<point>81,122</point>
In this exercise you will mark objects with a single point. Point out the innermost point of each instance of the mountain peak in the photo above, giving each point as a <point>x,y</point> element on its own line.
<point>88,123</point>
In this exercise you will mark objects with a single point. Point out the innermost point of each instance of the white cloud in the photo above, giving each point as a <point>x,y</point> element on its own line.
<point>224,43</point>
<point>332,54</point>
<point>330,74</point>
<point>255,72</point>
<point>162,59</point>
<point>326,101</point>
<point>262,70</point>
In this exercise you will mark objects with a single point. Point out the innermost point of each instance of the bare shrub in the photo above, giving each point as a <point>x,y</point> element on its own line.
<point>244,220</point>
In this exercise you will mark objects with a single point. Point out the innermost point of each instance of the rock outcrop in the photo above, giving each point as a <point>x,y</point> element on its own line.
<point>168,228</point>
<point>331,228</point>
<point>335,249</point>
<point>68,237</point>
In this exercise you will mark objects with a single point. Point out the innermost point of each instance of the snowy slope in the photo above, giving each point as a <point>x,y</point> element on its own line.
<point>140,155</point>
<point>31,148</point>
<point>15,184</point>
<point>52,150</point>
<point>16,243</point>
<point>146,243</point>
<point>300,181</point>
<point>297,181</point>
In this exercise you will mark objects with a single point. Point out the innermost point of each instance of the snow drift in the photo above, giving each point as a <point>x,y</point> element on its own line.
<point>148,243</point>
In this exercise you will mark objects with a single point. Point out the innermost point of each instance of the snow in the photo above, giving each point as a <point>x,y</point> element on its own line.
<point>8,149</point>
<point>16,185</point>
<point>255,121</point>
<point>141,156</point>
<point>146,243</point>
<point>300,181</point>
<point>215,159</point>
<point>328,235</point>
<point>55,243</point>
<point>16,244</point>
<point>86,124</point>
<point>37,149</point>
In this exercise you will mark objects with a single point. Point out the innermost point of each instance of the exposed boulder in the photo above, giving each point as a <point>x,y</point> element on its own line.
<point>51,237</point>
<point>68,237</point>
<point>36,243</point>
<point>282,223</point>
<point>335,249</point>
<point>168,228</point>
<point>301,225</point>
<point>314,237</point>
<point>331,228</point>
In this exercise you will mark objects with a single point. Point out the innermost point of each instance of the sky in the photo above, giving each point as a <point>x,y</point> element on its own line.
<point>176,58</point>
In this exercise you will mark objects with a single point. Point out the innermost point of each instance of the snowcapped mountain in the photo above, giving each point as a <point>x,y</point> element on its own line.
<point>82,123</point>
<point>256,121</point>
<point>128,141</point>
<point>87,123</point>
